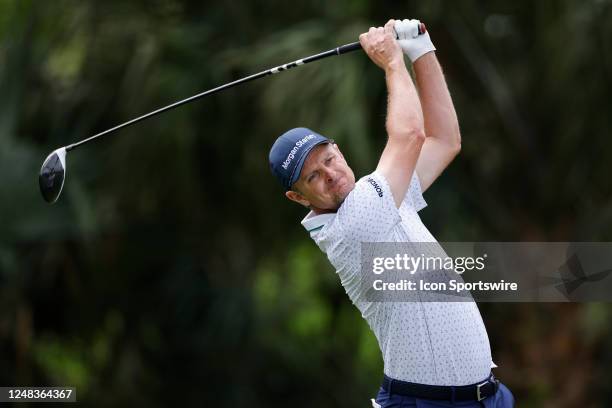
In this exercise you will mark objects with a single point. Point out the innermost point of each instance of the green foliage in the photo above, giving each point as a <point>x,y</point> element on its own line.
<point>173,261</point>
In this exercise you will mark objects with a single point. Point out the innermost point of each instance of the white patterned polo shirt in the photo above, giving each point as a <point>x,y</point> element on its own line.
<point>438,343</point>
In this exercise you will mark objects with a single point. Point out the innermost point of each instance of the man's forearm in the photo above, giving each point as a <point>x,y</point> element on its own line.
<point>404,114</point>
<point>439,113</point>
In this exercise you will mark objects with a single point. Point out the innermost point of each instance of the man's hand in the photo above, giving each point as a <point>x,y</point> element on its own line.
<point>413,44</point>
<point>404,116</point>
<point>381,46</point>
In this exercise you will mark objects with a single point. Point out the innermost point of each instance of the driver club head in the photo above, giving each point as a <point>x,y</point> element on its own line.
<point>52,175</point>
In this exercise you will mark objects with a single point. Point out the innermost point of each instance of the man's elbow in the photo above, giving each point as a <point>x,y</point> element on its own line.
<point>411,134</point>
<point>417,135</point>
<point>455,144</point>
<point>456,149</point>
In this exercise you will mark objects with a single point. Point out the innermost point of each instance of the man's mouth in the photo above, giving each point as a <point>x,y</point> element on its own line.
<point>339,183</point>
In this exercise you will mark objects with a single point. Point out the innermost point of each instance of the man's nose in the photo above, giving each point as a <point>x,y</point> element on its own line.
<point>330,176</point>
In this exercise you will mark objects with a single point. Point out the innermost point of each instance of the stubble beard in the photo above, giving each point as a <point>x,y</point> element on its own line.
<point>341,196</point>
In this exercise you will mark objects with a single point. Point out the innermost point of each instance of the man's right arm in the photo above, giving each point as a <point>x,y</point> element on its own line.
<point>405,126</point>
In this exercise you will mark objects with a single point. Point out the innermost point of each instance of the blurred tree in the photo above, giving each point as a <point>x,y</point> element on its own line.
<point>172,269</point>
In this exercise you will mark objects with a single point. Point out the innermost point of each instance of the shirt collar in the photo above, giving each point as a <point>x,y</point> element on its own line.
<point>313,222</point>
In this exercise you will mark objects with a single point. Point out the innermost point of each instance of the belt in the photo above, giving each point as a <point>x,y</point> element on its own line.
<point>478,391</point>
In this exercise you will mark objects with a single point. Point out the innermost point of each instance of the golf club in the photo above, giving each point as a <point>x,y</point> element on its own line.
<point>53,171</point>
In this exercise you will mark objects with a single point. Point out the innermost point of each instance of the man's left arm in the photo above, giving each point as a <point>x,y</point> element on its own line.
<point>443,139</point>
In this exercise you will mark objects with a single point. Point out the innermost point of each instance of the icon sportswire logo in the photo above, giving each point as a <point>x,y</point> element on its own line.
<point>295,149</point>
<point>376,186</point>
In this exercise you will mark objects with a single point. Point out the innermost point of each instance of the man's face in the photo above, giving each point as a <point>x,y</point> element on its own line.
<point>325,180</point>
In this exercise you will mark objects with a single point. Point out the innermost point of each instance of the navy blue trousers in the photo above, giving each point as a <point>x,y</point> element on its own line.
<point>503,398</point>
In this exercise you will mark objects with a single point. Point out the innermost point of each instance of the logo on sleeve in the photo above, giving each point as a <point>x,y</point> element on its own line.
<point>376,186</point>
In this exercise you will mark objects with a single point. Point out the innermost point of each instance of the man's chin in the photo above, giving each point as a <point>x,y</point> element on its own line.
<point>343,193</point>
<point>336,200</point>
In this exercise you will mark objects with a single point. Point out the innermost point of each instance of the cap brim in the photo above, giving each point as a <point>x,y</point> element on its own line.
<point>297,171</point>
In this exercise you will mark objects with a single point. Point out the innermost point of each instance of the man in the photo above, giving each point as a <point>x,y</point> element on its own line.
<point>435,353</point>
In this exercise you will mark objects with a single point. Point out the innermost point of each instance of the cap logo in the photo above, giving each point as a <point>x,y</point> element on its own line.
<point>295,149</point>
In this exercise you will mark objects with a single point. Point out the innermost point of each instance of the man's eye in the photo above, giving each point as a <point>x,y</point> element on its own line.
<point>311,177</point>
<point>329,160</point>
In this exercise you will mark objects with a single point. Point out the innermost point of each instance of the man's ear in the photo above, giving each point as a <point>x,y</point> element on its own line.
<point>297,197</point>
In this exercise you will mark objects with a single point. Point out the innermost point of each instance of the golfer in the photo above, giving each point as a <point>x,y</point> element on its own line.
<point>436,354</point>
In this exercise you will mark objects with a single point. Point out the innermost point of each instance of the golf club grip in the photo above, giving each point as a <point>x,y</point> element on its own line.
<point>357,46</point>
<point>348,48</point>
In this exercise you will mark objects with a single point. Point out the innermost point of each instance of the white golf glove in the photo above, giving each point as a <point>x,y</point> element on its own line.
<point>413,44</point>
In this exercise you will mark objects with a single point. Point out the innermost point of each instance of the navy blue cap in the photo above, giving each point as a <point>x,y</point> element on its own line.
<point>289,152</point>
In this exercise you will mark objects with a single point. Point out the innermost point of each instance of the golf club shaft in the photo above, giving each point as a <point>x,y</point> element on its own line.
<point>335,51</point>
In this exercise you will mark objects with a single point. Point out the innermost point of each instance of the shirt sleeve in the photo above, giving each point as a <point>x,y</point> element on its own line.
<point>369,212</point>
<point>414,196</point>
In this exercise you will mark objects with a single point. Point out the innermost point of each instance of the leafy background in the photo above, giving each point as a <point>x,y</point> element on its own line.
<point>173,270</point>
